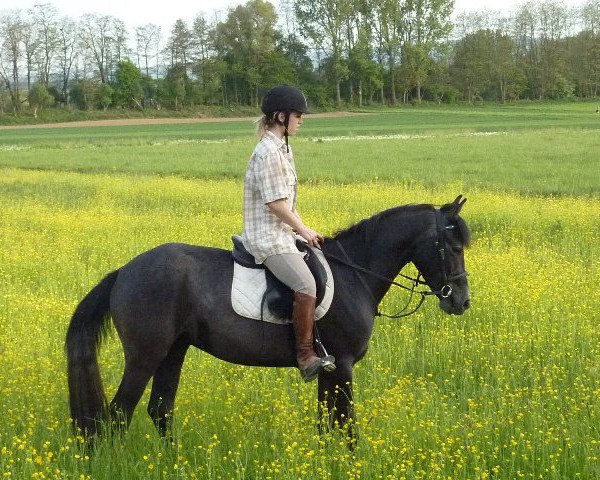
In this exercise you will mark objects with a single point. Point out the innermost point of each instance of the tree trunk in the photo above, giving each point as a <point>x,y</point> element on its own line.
<point>393,80</point>
<point>360,94</point>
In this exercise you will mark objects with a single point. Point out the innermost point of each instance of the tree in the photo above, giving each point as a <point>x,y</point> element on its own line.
<point>324,21</point>
<point>118,47</point>
<point>297,54</point>
<point>552,17</point>
<point>590,13</point>
<point>31,44</point>
<point>245,42</point>
<point>101,36</point>
<point>539,29</point>
<point>12,30</point>
<point>179,44</point>
<point>174,90</point>
<point>390,27</point>
<point>472,64</point>
<point>84,93</point>
<point>147,46</point>
<point>214,72</point>
<point>105,95</point>
<point>359,33</point>
<point>149,88</point>
<point>414,68</point>
<point>67,44</point>
<point>128,87</point>
<point>44,17</point>
<point>201,37</point>
<point>440,88</point>
<point>583,63</point>
<point>427,25</point>
<point>39,97</point>
<point>363,69</point>
<point>505,75</point>
<point>147,39</point>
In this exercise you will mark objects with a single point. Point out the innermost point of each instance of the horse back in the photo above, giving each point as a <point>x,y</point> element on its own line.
<point>170,281</point>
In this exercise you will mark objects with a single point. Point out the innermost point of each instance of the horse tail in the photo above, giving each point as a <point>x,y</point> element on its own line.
<point>88,327</point>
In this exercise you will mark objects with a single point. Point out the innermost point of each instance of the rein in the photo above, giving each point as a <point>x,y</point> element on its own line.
<point>358,269</point>
<point>445,291</point>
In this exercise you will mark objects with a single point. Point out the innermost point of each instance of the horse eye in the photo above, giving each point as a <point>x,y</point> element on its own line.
<point>456,247</point>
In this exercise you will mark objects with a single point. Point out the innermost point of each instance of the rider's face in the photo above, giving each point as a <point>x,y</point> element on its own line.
<point>294,123</point>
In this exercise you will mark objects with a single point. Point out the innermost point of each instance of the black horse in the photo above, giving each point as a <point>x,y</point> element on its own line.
<point>177,295</point>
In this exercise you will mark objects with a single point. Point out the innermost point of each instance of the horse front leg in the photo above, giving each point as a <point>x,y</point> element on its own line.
<point>336,406</point>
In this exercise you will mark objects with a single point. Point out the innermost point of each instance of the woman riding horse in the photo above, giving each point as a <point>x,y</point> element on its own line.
<point>271,220</point>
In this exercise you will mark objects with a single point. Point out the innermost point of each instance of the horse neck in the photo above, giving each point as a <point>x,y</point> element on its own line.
<point>385,246</point>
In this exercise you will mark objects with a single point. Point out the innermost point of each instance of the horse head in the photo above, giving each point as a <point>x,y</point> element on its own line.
<point>439,256</point>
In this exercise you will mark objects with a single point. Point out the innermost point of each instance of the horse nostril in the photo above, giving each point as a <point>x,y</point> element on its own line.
<point>467,303</point>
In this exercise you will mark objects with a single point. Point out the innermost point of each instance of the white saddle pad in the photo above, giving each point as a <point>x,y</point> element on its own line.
<point>249,286</point>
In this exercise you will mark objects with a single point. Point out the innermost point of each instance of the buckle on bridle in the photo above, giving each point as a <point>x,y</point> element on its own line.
<point>446,291</point>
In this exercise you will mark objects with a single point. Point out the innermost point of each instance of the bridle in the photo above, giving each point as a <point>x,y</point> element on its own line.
<point>444,291</point>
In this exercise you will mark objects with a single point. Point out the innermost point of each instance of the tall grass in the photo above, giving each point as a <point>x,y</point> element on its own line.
<point>509,390</point>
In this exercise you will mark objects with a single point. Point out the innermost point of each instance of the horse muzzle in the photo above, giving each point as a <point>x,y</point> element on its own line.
<point>455,303</point>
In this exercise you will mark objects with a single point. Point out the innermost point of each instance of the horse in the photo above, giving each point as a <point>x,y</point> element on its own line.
<point>177,295</point>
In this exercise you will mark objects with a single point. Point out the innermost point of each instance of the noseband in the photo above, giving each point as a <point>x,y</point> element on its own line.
<point>445,291</point>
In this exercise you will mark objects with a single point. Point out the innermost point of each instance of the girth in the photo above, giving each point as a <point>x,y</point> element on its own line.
<point>278,297</point>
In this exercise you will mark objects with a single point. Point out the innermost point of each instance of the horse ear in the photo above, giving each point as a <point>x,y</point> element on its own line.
<point>454,208</point>
<point>459,202</point>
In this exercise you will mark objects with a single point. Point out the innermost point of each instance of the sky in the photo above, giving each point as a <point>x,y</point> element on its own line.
<point>137,12</point>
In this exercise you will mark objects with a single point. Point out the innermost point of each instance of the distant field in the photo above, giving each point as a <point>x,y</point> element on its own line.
<point>510,390</point>
<point>550,150</point>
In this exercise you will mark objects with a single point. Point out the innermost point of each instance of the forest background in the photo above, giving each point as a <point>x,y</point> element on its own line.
<point>343,54</point>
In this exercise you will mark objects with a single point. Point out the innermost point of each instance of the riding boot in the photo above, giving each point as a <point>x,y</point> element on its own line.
<point>303,319</point>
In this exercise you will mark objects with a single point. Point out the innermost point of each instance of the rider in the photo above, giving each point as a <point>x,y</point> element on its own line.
<point>271,219</point>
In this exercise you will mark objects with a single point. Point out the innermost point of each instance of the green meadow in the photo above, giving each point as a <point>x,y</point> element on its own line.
<point>509,390</point>
<point>545,150</point>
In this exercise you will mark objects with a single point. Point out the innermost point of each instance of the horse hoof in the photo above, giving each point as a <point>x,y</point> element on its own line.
<point>328,363</point>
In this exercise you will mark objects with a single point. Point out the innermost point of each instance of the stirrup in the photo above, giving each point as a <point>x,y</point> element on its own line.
<point>328,363</point>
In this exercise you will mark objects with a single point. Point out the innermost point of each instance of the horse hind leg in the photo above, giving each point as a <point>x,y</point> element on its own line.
<point>136,376</point>
<point>164,387</point>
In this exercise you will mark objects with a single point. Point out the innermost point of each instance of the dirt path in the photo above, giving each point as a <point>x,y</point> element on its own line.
<point>118,122</point>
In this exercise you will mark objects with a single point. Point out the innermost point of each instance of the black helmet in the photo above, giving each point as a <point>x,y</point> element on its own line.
<point>284,98</point>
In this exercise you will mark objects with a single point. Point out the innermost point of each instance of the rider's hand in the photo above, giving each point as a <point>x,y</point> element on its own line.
<point>312,237</point>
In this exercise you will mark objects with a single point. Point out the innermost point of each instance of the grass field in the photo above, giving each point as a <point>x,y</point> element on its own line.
<point>509,390</point>
<point>535,150</point>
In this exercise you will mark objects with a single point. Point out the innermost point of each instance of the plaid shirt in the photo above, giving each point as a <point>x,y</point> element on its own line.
<point>271,176</point>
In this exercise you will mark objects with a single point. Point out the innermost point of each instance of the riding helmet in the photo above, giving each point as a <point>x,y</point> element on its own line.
<point>284,98</point>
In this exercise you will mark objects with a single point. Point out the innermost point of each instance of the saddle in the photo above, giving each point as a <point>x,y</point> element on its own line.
<point>278,297</point>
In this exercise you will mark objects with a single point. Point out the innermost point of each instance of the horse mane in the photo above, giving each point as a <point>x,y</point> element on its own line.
<point>368,223</point>
<point>463,231</point>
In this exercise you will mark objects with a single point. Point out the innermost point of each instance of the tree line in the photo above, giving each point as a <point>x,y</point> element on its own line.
<point>340,52</point>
